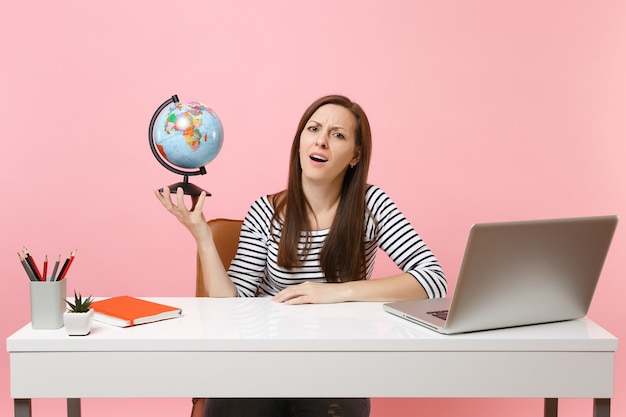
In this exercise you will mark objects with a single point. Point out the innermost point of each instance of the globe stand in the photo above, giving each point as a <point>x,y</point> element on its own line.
<point>188,188</point>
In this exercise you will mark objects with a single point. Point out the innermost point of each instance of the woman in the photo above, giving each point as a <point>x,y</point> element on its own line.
<point>316,241</point>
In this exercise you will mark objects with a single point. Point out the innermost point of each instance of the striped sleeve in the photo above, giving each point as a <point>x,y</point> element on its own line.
<point>399,240</point>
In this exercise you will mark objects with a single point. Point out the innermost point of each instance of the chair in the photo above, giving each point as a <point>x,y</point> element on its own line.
<point>226,238</point>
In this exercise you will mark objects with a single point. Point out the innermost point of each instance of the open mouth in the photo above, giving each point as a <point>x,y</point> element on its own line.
<point>318,158</point>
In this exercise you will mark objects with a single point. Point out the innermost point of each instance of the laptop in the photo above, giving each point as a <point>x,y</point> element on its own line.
<point>519,273</point>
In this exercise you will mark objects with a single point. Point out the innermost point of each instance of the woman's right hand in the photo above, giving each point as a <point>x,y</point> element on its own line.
<point>193,219</point>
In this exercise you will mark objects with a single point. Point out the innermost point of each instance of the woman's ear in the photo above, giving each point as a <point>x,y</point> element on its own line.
<point>356,158</point>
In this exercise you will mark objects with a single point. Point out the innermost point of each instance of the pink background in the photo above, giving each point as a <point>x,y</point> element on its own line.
<point>481,111</point>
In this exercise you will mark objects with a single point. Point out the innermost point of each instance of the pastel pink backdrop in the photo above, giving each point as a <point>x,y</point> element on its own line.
<point>481,111</point>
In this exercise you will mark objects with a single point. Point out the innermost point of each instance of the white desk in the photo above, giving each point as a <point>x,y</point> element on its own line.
<point>257,348</point>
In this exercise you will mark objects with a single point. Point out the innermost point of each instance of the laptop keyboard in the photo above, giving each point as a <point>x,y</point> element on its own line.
<point>440,314</point>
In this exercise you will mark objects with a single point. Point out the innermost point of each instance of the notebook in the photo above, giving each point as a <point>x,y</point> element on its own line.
<point>519,273</point>
<point>124,311</point>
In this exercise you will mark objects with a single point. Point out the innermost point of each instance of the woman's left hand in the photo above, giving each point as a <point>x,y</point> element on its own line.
<point>395,288</point>
<point>311,293</point>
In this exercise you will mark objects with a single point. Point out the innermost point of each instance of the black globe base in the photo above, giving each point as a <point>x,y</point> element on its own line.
<point>188,188</point>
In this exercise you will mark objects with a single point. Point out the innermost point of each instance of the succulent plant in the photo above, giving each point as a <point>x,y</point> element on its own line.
<point>79,305</point>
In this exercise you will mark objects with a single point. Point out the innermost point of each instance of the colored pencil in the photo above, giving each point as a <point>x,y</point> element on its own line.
<point>29,271</point>
<point>32,264</point>
<point>66,265</point>
<point>63,268</point>
<point>54,270</point>
<point>72,256</point>
<point>44,277</point>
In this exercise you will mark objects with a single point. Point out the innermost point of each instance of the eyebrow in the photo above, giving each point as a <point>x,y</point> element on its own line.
<point>331,128</point>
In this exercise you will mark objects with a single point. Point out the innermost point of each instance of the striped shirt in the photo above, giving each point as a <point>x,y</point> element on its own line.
<point>254,270</point>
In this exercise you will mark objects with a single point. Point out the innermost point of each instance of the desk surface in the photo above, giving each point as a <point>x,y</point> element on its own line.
<point>281,350</point>
<point>216,324</point>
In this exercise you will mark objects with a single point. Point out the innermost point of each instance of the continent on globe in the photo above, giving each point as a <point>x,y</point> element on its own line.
<point>188,135</point>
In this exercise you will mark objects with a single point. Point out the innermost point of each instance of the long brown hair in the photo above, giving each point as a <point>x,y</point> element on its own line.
<point>343,255</point>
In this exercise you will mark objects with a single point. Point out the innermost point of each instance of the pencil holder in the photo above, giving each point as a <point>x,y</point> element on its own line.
<point>47,304</point>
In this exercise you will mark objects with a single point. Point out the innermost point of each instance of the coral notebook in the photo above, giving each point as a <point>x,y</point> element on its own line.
<point>124,311</point>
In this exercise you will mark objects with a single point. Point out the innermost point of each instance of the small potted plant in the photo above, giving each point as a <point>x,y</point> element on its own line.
<point>78,318</point>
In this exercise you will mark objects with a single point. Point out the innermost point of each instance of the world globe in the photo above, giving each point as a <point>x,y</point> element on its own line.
<point>184,137</point>
<point>188,135</point>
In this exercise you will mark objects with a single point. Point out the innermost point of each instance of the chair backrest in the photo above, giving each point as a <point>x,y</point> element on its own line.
<point>226,238</point>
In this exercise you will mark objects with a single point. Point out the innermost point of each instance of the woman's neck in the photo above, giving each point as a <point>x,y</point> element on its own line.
<point>323,201</point>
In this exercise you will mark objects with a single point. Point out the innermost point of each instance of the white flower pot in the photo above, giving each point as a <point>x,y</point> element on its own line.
<point>78,324</point>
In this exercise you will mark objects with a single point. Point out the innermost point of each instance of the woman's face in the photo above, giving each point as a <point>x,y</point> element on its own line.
<point>328,144</point>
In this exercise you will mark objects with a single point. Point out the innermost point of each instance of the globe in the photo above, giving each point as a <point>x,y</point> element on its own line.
<point>183,137</point>
<point>188,135</point>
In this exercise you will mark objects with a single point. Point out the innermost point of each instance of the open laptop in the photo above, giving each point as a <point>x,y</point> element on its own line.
<point>519,273</point>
